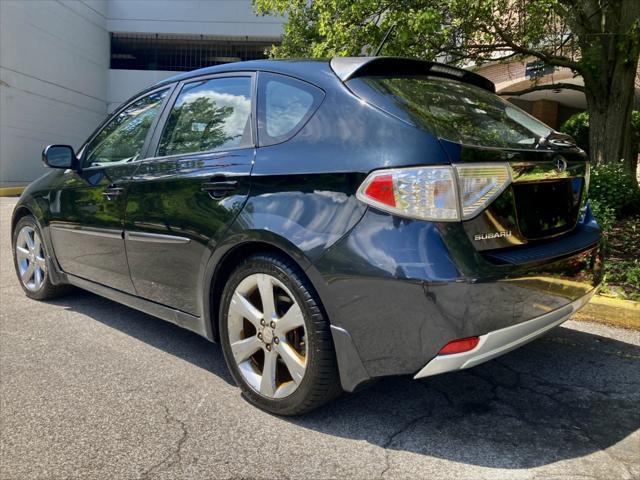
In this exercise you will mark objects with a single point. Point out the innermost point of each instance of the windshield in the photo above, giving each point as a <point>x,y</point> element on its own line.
<point>453,110</point>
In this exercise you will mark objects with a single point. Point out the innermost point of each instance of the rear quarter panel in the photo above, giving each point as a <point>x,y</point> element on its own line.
<point>304,189</point>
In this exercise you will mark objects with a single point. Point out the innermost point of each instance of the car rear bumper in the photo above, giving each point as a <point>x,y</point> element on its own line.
<point>499,342</point>
<point>396,291</point>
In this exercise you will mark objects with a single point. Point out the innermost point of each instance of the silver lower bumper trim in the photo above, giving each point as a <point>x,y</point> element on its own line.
<point>498,342</point>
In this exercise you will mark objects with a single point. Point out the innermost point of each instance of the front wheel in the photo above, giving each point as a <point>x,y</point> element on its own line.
<point>275,338</point>
<point>30,260</point>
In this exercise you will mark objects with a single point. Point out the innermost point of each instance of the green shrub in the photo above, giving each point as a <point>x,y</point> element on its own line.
<point>633,275</point>
<point>605,215</point>
<point>578,127</point>
<point>612,192</point>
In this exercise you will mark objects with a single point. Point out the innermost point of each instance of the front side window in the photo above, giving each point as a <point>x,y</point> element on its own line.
<point>453,110</point>
<point>122,139</point>
<point>209,115</point>
<point>284,106</point>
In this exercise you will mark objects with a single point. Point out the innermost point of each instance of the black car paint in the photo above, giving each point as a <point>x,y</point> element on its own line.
<point>90,222</point>
<point>395,290</point>
<point>404,288</point>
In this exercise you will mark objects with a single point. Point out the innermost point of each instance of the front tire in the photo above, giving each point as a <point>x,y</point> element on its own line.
<point>275,337</point>
<point>30,260</point>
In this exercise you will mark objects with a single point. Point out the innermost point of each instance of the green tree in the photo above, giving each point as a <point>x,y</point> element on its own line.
<point>597,39</point>
<point>578,127</point>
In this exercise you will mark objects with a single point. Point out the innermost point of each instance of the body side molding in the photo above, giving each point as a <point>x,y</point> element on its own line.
<point>96,232</point>
<point>154,237</point>
<point>182,319</point>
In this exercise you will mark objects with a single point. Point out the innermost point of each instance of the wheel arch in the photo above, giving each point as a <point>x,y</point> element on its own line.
<point>350,367</point>
<point>19,212</point>
<point>228,256</point>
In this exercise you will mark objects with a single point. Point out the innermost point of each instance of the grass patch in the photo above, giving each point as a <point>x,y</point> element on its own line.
<point>622,265</point>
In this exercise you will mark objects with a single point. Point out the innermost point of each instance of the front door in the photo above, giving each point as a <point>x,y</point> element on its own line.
<point>87,211</point>
<point>182,200</point>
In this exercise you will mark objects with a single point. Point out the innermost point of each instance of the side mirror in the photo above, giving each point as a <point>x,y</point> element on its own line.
<point>59,156</point>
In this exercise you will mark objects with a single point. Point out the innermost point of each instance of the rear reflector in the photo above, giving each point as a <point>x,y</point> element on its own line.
<point>459,346</point>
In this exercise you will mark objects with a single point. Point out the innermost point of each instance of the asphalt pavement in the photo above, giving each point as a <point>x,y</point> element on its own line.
<point>92,389</point>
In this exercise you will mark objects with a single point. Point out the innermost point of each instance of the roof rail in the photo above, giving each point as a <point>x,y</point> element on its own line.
<point>347,68</point>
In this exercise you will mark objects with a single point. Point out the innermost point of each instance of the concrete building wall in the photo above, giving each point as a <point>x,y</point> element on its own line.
<point>54,59</point>
<point>122,84</point>
<point>201,17</point>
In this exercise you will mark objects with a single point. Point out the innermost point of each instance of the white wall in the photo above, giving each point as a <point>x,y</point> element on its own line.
<point>202,17</point>
<point>54,58</point>
<point>123,84</point>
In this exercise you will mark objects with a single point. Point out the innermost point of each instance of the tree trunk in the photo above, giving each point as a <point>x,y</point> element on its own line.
<point>609,41</point>
<point>610,102</point>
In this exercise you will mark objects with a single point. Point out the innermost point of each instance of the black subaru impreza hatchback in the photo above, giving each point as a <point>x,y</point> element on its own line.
<point>328,222</point>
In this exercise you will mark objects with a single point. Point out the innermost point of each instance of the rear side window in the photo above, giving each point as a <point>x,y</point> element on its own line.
<point>453,110</point>
<point>284,106</point>
<point>209,115</point>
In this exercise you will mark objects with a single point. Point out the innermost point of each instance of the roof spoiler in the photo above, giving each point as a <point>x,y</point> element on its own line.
<point>347,68</point>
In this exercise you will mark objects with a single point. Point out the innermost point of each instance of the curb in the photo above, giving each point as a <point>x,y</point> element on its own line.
<point>11,191</point>
<point>611,311</point>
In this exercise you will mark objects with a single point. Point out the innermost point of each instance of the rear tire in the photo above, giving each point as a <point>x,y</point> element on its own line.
<point>31,261</point>
<point>275,337</point>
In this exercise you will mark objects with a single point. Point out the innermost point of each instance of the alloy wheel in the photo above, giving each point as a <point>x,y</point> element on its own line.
<point>267,335</point>
<point>30,258</point>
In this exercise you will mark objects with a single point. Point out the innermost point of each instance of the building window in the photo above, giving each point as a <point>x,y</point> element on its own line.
<point>538,69</point>
<point>183,52</point>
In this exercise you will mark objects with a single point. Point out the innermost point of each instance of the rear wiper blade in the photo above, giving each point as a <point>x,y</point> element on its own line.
<point>556,139</point>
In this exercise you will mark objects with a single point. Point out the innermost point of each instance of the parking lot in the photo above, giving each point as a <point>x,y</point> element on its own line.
<point>93,389</point>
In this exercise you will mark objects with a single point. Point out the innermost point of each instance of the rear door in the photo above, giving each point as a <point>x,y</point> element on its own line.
<point>87,212</point>
<point>183,198</point>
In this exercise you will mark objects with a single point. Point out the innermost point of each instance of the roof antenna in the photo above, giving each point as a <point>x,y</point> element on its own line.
<point>384,40</point>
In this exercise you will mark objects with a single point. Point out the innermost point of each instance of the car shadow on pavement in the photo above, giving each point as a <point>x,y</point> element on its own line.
<point>565,395</point>
<point>163,335</point>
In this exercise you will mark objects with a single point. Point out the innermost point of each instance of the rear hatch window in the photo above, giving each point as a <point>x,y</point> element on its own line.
<point>452,110</point>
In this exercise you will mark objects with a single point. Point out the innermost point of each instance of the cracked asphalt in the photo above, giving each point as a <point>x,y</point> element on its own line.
<point>92,389</point>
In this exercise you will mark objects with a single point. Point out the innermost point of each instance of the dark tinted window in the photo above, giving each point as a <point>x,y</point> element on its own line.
<point>453,110</point>
<point>285,104</point>
<point>209,115</point>
<point>122,139</point>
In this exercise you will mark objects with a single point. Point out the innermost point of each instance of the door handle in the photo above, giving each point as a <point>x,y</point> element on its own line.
<point>219,187</point>
<point>112,191</point>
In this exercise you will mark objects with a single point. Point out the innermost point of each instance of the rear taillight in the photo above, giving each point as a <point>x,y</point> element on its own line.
<point>427,193</point>
<point>440,193</point>
<point>587,179</point>
<point>479,185</point>
<point>585,193</point>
